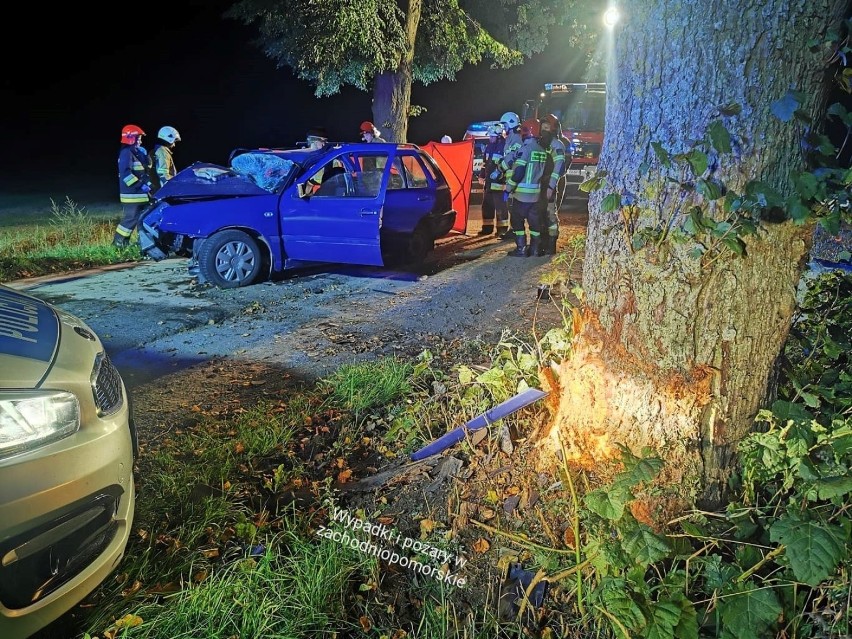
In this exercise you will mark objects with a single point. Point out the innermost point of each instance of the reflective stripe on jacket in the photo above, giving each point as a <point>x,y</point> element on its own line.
<point>557,153</point>
<point>491,162</point>
<point>528,171</point>
<point>132,174</point>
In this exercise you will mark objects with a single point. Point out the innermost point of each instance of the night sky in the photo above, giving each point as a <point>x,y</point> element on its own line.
<point>82,73</point>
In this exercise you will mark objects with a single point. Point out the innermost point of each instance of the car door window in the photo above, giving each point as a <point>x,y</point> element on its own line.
<point>367,181</point>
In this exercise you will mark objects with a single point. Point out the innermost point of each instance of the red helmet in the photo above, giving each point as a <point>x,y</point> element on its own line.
<point>530,128</point>
<point>553,121</point>
<point>130,132</point>
<point>367,127</point>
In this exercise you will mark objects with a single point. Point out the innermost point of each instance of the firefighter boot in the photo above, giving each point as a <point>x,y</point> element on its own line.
<point>487,229</point>
<point>550,246</point>
<point>520,247</point>
<point>119,241</point>
<point>536,246</point>
<point>504,232</point>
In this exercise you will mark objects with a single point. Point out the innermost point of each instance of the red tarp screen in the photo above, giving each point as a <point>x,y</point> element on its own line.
<point>456,162</point>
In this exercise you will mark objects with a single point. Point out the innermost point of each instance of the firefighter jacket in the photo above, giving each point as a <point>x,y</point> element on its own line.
<point>164,164</point>
<point>527,172</point>
<point>133,166</point>
<point>557,154</point>
<point>511,149</point>
<point>492,157</point>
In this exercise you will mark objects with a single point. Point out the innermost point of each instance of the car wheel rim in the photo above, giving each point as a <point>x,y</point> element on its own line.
<point>235,261</point>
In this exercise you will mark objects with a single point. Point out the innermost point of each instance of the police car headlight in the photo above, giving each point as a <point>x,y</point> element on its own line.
<point>29,419</point>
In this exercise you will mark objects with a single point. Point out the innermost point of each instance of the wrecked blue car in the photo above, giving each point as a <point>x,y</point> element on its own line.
<point>273,209</point>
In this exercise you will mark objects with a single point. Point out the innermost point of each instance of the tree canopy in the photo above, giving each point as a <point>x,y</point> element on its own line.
<point>334,43</point>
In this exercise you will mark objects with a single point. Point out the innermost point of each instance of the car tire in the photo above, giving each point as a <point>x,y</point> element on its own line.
<point>230,259</point>
<point>419,245</point>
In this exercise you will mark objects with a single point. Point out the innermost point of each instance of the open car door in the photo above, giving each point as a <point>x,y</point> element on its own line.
<point>333,213</point>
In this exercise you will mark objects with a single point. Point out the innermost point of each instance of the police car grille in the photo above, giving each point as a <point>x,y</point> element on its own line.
<point>106,386</point>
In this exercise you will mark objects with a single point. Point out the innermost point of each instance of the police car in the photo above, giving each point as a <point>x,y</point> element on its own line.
<point>67,447</point>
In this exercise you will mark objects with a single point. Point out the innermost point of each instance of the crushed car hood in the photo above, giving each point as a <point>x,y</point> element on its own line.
<point>202,179</point>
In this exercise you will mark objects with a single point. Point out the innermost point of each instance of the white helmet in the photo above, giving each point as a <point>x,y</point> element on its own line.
<point>496,129</point>
<point>510,119</point>
<point>446,139</point>
<point>169,134</point>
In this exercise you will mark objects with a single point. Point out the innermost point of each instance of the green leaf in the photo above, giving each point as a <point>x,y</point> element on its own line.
<point>747,612</point>
<point>665,616</point>
<point>698,161</point>
<point>609,504</point>
<point>831,223</point>
<point>732,108</point>
<point>735,244</point>
<point>708,189</point>
<point>798,210</point>
<point>662,155</point>
<point>611,203</point>
<point>831,487</point>
<point>788,410</point>
<point>645,470</point>
<point>806,184</point>
<point>719,136</point>
<point>645,546</point>
<point>763,194</point>
<point>621,606</point>
<point>813,548</point>
<point>687,627</point>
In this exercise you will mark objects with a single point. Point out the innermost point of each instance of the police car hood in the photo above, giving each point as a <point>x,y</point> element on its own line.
<point>29,339</point>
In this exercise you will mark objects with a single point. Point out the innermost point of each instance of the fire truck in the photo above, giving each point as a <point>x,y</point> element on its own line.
<point>581,108</point>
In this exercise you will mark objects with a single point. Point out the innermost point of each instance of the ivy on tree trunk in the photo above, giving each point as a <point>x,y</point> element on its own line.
<point>674,352</point>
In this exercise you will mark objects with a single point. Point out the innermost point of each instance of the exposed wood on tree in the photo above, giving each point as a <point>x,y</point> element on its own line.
<point>675,352</point>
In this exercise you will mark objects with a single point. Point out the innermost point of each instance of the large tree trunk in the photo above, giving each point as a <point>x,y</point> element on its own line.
<point>672,351</point>
<point>392,89</point>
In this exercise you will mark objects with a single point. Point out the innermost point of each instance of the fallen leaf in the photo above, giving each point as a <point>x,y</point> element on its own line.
<point>134,588</point>
<point>426,527</point>
<point>568,538</point>
<point>487,513</point>
<point>385,520</point>
<point>129,621</point>
<point>239,448</point>
<point>481,545</point>
<point>365,623</point>
<point>344,475</point>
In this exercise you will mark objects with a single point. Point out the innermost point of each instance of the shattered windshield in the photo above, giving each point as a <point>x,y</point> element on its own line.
<point>270,172</point>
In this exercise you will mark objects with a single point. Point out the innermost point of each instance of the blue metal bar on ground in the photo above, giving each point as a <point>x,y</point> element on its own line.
<point>490,416</point>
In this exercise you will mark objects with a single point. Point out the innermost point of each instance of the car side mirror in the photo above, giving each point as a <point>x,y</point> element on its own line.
<point>304,189</point>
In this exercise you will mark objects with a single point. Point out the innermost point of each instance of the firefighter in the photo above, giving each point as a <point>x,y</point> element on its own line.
<point>524,185</point>
<point>164,163</point>
<point>550,140</point>
<point>369,132</point>
<point>134,183</point>
<point>511,148</point>
<point>493,204</point>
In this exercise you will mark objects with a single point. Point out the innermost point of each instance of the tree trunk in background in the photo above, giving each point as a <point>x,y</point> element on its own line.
<point>392,89</point>
<point>670,353</point>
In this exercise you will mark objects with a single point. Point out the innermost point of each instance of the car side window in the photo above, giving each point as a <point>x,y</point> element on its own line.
<point>428,163</point>
<point>414,172</point>
<point>368,180</point>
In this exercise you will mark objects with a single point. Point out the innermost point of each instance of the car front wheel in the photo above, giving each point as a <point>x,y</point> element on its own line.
<point>230,259</point>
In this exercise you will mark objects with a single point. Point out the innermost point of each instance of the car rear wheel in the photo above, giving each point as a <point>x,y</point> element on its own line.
<point>420,244</point>
<point>230,259</point>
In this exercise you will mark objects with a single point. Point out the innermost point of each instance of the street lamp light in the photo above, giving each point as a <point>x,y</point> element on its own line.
<point>611,17</point>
